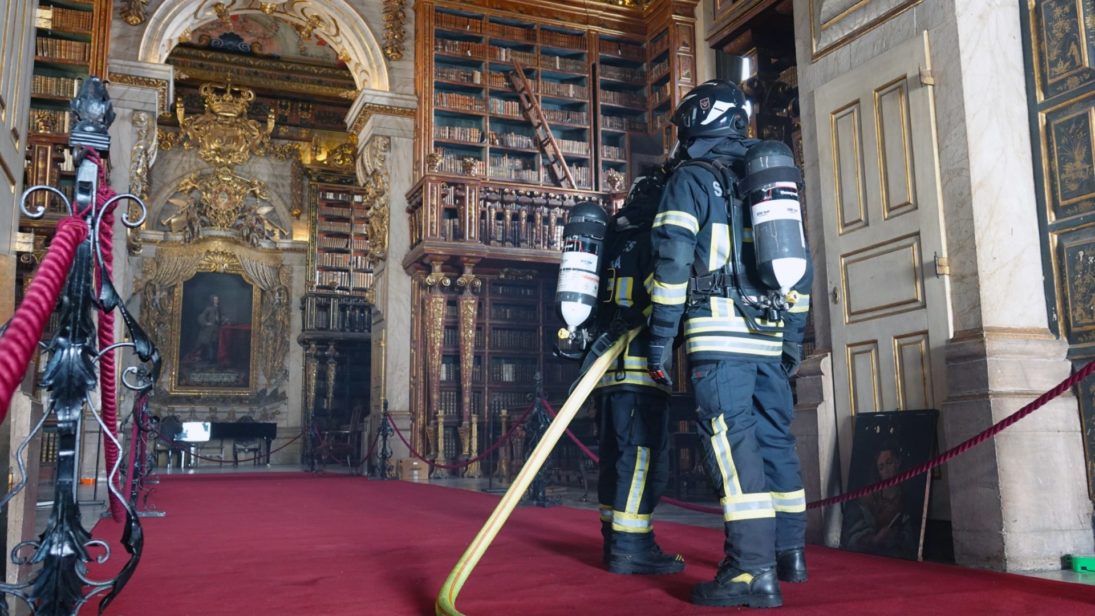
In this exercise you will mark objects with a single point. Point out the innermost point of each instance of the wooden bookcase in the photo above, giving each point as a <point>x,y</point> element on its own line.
<point>514,333</point>
<point>477,127</point>
<point>671,63</point>
<point>621,106</point>
<point>336,311</point>
<point>68,47</point>
<point>339,247</point>
<point>486,201</point>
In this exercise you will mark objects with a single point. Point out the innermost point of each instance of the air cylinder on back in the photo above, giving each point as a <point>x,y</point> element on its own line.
<point>580,267</point>
<point>770,189</point>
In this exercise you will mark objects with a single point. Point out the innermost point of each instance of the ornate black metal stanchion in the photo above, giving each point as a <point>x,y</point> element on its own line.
<point>385,455</point>
<point>60,585</point>
<point>535,426</point>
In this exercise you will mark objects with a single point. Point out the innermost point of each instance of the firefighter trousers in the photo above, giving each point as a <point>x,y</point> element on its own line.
<point>634,457</point>
<point>744,412</point>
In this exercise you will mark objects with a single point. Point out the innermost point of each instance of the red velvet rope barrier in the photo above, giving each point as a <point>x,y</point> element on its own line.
<point>108,383</point>
<point>943,458</point>
<point>488,451</point>
<point>966,445</point>
<point>252,459</point>
<point>596,460</point>
<point>24,331</point>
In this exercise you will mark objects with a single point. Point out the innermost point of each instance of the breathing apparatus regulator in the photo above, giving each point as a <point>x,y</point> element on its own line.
<point>576,294</point>
<point>770,190</point>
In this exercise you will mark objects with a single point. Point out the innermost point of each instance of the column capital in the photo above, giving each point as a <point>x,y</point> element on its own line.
<point>382,113</point>
<point>142,86</point>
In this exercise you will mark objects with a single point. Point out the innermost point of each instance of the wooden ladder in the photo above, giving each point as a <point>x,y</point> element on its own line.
<point>545,139</point>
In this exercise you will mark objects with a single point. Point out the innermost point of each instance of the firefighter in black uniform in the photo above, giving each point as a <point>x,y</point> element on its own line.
<point>740,357</point>
<point>633,409</point>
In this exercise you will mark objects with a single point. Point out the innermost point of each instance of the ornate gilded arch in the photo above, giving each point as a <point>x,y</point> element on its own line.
<point>335,20</point>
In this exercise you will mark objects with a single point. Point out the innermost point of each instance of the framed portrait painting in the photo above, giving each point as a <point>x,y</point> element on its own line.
<point>217,315</point>
<point>890,521</point>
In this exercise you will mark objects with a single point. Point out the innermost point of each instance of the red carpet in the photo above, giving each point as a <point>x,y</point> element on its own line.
<point>347,546</point>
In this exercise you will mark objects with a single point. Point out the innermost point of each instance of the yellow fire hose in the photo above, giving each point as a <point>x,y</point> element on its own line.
<point>446,599</point>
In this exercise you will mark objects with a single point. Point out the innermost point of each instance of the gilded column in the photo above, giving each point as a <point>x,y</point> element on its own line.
<point>311,372</point>
<point>419,418</point>
<point>473,468</point>
<point>469,284</point>
<point>436,282</point>
<point>332,369</point>
<point>502,471</point>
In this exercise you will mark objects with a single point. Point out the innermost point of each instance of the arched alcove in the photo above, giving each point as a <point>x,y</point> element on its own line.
<point>334,20</point>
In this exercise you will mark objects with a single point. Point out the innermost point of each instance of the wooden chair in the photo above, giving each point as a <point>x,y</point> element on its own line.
<point>252,446</point>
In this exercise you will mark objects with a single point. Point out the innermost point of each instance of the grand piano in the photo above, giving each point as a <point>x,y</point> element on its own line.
<point>243,430</point>
<point>194,432</point>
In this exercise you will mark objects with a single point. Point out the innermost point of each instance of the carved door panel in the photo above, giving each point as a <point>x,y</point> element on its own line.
<point>1059,45</point>
<point>16,48</point>
<point>885,252</point>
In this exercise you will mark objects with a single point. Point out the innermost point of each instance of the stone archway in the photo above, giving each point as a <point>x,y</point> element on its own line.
<point>335,21</point>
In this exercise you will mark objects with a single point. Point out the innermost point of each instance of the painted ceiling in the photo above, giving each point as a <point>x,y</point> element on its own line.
<point>262,35</point>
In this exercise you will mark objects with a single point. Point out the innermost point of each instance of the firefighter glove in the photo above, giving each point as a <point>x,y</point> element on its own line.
<point>791,358</point>
<point>657,358</point>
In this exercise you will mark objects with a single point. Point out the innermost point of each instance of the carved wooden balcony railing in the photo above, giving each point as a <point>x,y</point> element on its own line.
<point>469,217</point>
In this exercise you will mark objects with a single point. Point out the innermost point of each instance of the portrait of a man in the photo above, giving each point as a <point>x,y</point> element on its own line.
<point>889,521</point>
<point>215,332</point>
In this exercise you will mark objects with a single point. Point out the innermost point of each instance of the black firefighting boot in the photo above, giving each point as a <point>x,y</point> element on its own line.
<point>734,587</point>
<point>639,554</point>
<point>606,534</point>
<point>791,565</point>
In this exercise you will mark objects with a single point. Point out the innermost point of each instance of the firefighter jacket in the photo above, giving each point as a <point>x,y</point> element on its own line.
<point>691,238</point>
<point>625,296</point>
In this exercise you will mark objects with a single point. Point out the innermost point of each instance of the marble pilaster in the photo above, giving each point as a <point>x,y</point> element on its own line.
<point>1017,501</point>
<point>814,428</point>
<point>386,115</point>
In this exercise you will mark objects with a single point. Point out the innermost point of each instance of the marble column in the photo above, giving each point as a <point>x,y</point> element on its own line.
<point>1018,502</point>
<point>390,116</point>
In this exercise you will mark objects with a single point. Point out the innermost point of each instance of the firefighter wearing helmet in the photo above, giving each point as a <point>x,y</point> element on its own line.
<point>730,259</point>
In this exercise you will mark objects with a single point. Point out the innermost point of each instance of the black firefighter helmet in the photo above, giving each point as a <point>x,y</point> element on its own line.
<point>714,108</point>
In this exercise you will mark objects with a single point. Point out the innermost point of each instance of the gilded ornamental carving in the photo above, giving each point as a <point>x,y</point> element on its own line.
<point>223,199</point>
<point>395,27</point>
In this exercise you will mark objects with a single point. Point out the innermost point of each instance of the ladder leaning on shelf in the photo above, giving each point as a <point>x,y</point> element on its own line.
<point>544,137</point>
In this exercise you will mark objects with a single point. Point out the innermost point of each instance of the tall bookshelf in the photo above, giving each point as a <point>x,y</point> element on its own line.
<point>621,104</point>
<point>514,333</point>
<point>671,63</point>
<point>67,49</point>
<point>477,125</point>
<point>486,200</point>
<point>340,241</point>
<point>336,329</point>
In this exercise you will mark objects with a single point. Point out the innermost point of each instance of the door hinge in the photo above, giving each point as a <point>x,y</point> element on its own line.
<point>942,266</point>
<point>927,77</point>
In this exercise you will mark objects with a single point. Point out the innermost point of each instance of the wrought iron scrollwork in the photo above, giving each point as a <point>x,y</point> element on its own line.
<point>61,584</point>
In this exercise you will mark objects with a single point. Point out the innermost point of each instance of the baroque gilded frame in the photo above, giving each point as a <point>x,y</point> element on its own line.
<point>224,263</point>
<point>161,289</point>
